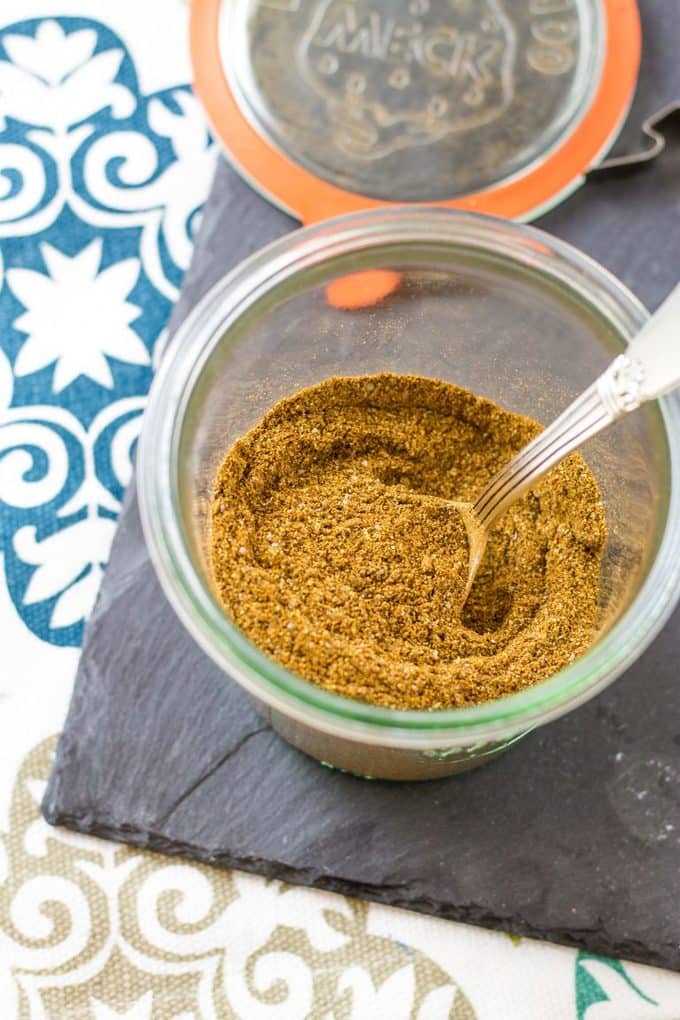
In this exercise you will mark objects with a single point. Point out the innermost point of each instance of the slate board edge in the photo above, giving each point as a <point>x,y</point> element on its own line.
<point>591,941</point>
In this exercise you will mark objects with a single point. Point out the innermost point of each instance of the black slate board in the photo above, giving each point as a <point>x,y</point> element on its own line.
<point>574,835</point>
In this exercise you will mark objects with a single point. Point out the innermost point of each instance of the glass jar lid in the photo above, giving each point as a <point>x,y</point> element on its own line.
<point>495,105</point>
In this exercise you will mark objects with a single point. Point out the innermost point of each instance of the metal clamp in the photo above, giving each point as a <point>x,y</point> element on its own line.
<point>655,130</point>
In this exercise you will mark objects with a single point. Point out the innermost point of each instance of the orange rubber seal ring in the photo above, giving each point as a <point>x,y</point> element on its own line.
<point>311,199</point>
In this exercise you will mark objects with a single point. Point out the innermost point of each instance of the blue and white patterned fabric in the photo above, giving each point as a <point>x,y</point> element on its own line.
<point>105,162</point>
<point>100,194</point>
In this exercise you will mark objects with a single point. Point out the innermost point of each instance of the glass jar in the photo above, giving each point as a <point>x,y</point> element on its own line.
<point>505,310</point>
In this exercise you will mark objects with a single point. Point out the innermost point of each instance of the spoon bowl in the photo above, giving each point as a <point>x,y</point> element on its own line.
<point>477,536</point>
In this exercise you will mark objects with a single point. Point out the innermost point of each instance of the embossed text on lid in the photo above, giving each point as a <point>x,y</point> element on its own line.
<point>413,100</point>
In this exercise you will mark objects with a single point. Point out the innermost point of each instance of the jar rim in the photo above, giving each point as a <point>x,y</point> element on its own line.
<point>198,609</point>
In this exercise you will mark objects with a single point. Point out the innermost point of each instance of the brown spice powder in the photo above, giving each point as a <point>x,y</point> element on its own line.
<point>336,549</point>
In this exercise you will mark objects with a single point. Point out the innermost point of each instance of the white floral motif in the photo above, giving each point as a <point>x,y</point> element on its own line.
<point>60,559</point>
<point>18,439</point>
<point>69,562</point>
<point>77,315</point>
<point>54,80</point>
<point>164,203</point>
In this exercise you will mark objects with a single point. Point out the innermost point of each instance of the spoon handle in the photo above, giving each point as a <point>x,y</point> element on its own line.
<point>655,351</point>
<point>649,368</point>
<point>587,416</point>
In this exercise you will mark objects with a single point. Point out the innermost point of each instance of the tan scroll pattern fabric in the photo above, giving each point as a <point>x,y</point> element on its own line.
<point>93,929</point>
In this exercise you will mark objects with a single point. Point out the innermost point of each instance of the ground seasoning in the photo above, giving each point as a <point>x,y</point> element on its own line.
<point>336,549</point>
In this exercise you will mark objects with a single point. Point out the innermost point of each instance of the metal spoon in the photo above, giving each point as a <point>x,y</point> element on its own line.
<point>649,368</point>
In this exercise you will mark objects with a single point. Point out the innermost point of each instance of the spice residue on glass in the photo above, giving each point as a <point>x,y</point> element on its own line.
<point>336,549</point>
